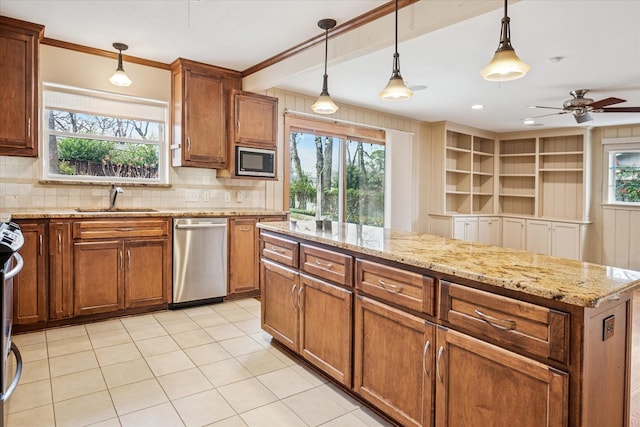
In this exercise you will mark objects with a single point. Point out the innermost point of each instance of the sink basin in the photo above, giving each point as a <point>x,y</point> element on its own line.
<point>116,210</point>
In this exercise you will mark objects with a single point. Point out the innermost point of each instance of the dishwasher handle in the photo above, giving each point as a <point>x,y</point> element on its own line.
<point>201,225</point>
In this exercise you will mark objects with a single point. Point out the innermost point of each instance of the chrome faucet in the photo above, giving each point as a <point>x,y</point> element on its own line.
<point>113,194</point>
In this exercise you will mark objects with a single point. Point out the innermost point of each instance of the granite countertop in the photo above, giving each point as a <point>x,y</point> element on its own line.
<point>5,215</point>
<point>573,282</point>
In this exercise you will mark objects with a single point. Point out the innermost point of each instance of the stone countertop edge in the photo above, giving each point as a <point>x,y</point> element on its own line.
<point>560,279</point>
<point>175,213</point>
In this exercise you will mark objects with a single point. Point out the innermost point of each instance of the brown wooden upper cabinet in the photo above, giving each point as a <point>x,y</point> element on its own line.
<point>19,45</point>
<point>255,119</point>
<point>200,94</point>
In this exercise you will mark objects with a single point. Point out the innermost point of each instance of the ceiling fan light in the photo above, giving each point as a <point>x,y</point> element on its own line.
<point>505,66</point>
<point>396,90</point>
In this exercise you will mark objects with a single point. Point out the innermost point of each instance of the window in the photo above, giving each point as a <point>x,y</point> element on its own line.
<point>95,136</point>
<point>623,171</point>
<point>335,176</point>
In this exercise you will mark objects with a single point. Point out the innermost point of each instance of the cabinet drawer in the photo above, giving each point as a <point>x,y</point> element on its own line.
<point>120,228</point>
<point>279,249</point>
<point>524,326</point>
<point>404,288</point>
<point>327,264</point>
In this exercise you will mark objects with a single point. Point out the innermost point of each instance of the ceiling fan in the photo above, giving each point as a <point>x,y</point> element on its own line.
<point>581,107</point>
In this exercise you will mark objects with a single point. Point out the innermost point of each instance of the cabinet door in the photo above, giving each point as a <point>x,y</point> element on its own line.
<point>97,277</point>
<point>279,309</point>
<point>465,229</point>
<point>513,233</point>
<point>256,119</point>
<point>479,384</point>
<point>146,272</point>
<point>18,85</point>
<point>393,362</point>
<point>29,286</point>
<point>204,128</point>
<point>565,241</point>
<point>489,231</point>
<point>325,327</point>
<point>539,237</point>
<point>243,255</point>
<point>60,271</point>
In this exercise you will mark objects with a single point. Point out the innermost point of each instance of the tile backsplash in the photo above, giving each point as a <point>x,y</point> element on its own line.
<point>21,188</point>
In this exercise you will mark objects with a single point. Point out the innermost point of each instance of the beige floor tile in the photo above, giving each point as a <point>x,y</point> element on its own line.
<point>107,325</point>
<point>77,384</point>
<point>225,372</point>
<point>84,410</point>
<point>237,315</point>
<point>29,339</point>
<point>261,362</point>
<point>314,407</point>
<point>140,395</point>
<point>234,421</point>
<point>170,315</point>
<point>66,332</point>
<point>41,416</point>
<point>70,363</point>
<point>35,371</point>
<point>241,345</point>
<point>309,375</point>
<point>192,338</point>
<point>254,310</point>
<point>285,382</point>
<point>111,422</point>
<point>69,345</point>
<point>209,320</point>
<point>369,418</point>
<point>274,414</point>
<point>184,383</point>
<point>247,394</point>
<point>248,303</point>
<point>158,345</point>
<point>167,363</point>
<point>29,396</point>
<point>203,408</point>
<point>197,311</point>
<point>126,372</point>
<point>339,396</point>
<point>163,415</point>
<point>224,332</point>
<point>227,306</point>
<point>139,320</point>
<point>249,326</point>
<point>146,331</point>
<point>109,338</point>
<point>181,325</point>
<point>208,353</point>
<point>33,352</point>
<point>347,420</point>
<point>117,354</point>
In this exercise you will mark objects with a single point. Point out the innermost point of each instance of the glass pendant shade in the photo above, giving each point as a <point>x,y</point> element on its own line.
<point>119,78</point>
<point>324,104</point>
<point>396,90</point>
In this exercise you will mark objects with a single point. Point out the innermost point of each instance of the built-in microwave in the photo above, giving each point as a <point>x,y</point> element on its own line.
<point>258,162</point>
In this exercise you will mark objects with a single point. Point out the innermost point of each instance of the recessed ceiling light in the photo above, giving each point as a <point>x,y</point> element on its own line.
<point>528,121</point>
<point>555,59</point>
<point>477,106</point>
<point>416,88</point>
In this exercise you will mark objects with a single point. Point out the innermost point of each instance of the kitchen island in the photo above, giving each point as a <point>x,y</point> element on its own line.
<point>436,331</point>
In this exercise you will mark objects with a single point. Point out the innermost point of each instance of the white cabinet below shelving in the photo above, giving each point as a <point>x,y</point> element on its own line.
<point>561,239</point>
<point>513,233</point>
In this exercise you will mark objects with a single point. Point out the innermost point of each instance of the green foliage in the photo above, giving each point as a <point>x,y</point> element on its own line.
<point>84,149</point>
<point>135,155</point>
<point>67,169</point>
<point>628,184</point>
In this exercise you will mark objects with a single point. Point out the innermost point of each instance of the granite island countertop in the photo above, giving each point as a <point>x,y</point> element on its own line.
<point>572,282</point>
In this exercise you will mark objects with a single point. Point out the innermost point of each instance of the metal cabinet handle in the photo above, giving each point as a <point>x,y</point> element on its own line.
<point>493,321</point>
<point>327,265</point>
<point>40,244</point>
<point>121,261</point>
<point>189,144</point>
<point>440,351</point>
<point>59,242</point>
<point>300,293</point>
<point>244,229</point>
<point>29,127</point>
<point>293,291</point>
<point>278,250</point>
<point>424,357</point>
<point>124,229</point>
<point>129,258</point>
<point>391,287</point>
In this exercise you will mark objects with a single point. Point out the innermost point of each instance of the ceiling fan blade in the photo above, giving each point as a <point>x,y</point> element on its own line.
<point>586,117</point>
<point>621,110</point>
<point>607,101</point>
<point>540,106</point>
<point>546,115</point>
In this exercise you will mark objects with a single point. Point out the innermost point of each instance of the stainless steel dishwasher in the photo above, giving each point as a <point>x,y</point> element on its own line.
<point>199,261</point>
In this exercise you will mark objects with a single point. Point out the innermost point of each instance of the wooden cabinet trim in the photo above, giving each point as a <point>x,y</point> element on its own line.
<point>327,264</point>
<point>279,249</point>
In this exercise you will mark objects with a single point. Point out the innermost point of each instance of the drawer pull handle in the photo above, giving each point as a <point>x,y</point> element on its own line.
<point>125,229</point>
<point>391,287</point>
<point>323,265</point>
<point>300,293</point>
<point>278,250</point>
<point>424,357</point>
<point>440,377</point>
<point>293,292</point>
<point>495,322</point>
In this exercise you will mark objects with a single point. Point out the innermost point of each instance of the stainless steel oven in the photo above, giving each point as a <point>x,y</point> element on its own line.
<point>11,240</point>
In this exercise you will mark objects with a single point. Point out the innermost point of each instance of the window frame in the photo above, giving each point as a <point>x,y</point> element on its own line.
<point>612,146</point>
<point>138,102</point>
<point>343,131</point>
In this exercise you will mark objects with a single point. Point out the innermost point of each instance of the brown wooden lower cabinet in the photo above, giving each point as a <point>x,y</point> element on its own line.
<point>279,313</point>
<point>243,255</point>
<point>60,270</point>
<point>393,362</point>
<point>479,384</point>
<point>30,285</point>
<point>145,272</point>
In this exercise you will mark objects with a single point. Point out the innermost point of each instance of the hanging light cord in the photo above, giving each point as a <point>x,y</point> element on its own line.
<point>396,56</point>
<point>325,86</point>
<point>505,31</point>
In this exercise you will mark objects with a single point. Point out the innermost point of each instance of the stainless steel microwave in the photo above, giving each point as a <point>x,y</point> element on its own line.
<point>256,162</point>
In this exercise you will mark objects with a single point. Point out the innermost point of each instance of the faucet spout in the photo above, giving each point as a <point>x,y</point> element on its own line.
<point>113,194</point>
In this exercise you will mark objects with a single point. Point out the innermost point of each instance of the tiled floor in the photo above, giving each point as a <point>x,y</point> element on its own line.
<point>203,366</point>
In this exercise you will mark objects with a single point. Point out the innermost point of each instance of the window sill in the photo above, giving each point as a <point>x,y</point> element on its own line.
<point>103,184</point>
<point>625,206</point>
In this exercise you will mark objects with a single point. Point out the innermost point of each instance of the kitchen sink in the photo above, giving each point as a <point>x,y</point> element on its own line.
<point>124,210</point>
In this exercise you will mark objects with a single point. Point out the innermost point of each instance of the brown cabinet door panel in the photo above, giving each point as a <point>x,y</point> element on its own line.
<point>279,310</point>
<point>60,270</point>
<point>145,272</point>
<point>243,255</point>
<point>29,286</point>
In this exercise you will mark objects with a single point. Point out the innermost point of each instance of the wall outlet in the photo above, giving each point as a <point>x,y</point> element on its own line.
<point>239,197</point>
<point>227,196</point>
<point>192,196</point>
<point>206,196</point>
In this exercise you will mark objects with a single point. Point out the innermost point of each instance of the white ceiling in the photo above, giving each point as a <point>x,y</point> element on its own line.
<point>599,42</point>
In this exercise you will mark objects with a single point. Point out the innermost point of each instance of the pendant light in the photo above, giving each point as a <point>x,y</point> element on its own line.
<point>396,90</point>
<point>324,104</point>
<point>505,64</point>
<point>119,78</point>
